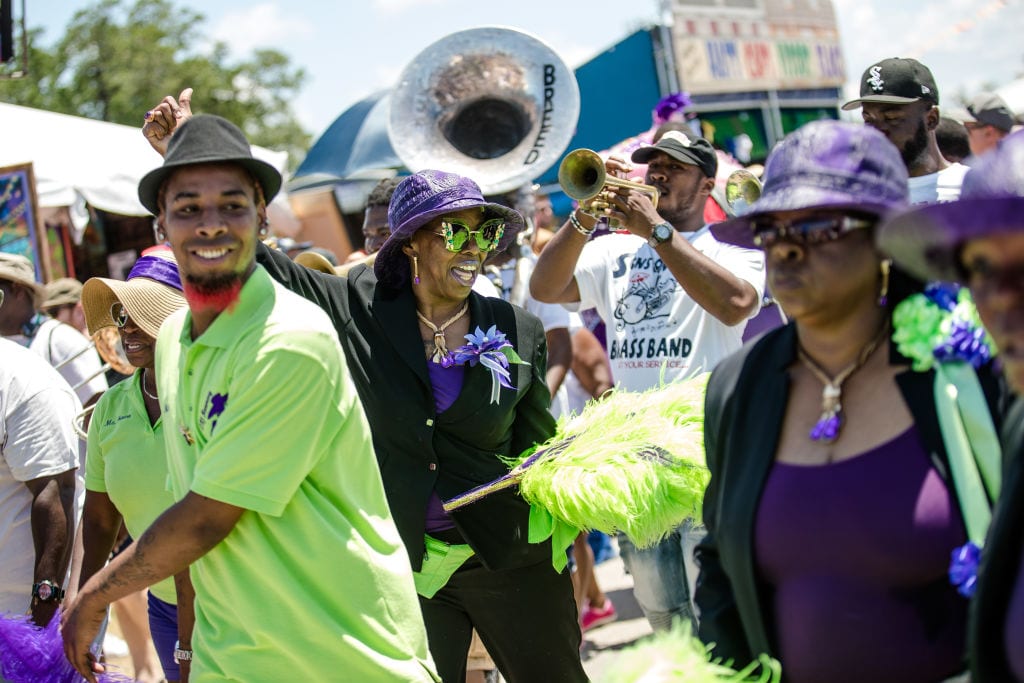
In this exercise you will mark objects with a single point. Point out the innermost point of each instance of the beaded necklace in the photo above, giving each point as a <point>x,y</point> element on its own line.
<point>826,429</point>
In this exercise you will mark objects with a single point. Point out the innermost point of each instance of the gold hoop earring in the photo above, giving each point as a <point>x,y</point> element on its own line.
<point>883,296</point>
<point>415,269</point>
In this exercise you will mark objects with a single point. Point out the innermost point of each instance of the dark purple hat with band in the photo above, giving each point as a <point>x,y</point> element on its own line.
<point>825,165</point>
<point>926,241</point>
<point>419,199</point>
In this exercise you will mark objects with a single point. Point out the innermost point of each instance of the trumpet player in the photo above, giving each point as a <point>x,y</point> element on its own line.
<point>674,301</point>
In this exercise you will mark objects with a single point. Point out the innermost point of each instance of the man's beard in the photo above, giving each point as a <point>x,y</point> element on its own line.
<point>217,293</point>
<point>681,213</point>
<point>916,146</point>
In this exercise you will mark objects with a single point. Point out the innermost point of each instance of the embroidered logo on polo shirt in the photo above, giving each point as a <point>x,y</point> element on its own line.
<point>212,409</point>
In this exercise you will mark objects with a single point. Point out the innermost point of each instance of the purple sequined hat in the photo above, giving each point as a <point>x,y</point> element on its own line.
<point>926,240</point>
<point>825,165</point>
<point>421,198</point>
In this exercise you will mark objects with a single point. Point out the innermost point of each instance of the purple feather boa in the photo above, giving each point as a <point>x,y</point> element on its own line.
<point>29,654</point>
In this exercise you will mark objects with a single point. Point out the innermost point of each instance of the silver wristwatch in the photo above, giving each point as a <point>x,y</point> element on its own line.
<point>181,655</point>
<point>661,233</point>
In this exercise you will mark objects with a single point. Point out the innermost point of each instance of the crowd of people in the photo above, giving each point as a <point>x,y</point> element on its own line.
<point>283,447</point>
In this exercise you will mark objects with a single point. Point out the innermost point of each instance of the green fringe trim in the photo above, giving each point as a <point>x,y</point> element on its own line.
<point>678,657</point>
<point>631,462</point>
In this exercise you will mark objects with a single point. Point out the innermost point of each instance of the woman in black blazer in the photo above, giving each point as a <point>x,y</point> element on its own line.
<point>441,429</point>
<point>979,241</point>
<point>830,512</point>
<point>997,613</point>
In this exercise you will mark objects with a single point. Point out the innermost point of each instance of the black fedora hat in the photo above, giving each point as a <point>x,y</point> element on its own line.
<point>207,139</point>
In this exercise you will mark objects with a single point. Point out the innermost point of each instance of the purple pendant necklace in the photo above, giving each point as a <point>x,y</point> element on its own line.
<point>826,429</point>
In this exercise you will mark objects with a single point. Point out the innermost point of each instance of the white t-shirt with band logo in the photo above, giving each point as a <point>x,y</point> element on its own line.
<point>655,330</point>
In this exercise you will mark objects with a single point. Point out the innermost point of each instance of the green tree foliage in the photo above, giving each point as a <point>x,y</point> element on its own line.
<point>116,60</point>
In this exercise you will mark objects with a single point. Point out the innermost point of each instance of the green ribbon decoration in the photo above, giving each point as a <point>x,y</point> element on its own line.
<point>971,442</point>
<point>544,525</point>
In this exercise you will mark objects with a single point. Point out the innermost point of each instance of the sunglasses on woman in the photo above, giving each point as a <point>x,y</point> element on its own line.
<point>456,233</point>
<point>120,314</point>
<point>769,231</point>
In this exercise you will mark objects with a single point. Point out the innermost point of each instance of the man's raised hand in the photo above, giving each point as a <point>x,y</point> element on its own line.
<point>163,119</point>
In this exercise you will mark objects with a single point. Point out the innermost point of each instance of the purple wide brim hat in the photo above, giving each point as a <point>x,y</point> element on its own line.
<point>419,199</point>
<point>825,165</point>
<point>926,241</point>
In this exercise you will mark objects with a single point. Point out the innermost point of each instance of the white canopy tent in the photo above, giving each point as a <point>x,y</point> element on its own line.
<point>100,162</point>
<point>1013,94</point>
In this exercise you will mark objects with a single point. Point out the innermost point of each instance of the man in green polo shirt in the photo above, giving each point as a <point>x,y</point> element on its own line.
<point>298,568</point>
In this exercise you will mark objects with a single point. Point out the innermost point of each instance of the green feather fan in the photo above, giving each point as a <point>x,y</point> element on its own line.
<point>677,657</point>
<point>631,462</point>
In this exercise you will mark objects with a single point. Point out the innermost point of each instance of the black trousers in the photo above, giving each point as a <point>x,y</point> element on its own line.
<point>526,619</point>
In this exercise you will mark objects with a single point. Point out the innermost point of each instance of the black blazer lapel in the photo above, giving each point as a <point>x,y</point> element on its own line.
<point>918,389</point>
<point>397,317</point>
<point>477,382</point>
<point>768,378</point>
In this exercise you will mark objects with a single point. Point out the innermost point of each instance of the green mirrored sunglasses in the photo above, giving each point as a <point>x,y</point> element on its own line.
<point>456,233</point>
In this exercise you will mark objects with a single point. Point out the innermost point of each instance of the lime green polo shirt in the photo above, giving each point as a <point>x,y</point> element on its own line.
<point>127,461</point>
<point>313,583</point>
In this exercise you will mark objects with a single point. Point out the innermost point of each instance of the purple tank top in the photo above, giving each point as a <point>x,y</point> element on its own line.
<point>447,383</point>
<point>1013,634</point>
<point>855,554</point>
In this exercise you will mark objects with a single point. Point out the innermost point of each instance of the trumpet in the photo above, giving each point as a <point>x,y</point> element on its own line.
<point>583,177</point>
<point>742,189</point>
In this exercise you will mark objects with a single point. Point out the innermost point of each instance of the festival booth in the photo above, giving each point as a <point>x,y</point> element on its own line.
<point>331,184</point>
<point>68,193</point>
<point>1013,94</point>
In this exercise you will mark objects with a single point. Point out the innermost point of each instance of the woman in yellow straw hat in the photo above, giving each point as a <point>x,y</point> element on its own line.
<point>126,467</point>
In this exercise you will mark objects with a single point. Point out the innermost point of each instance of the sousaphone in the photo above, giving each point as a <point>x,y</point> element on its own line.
<point>493,104</point>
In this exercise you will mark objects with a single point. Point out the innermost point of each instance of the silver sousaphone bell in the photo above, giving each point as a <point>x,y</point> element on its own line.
<point>494,104</point>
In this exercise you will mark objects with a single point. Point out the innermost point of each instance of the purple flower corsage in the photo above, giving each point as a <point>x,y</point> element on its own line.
<point>963,569</point>
<point>939,326</point>
<point>492,350</point>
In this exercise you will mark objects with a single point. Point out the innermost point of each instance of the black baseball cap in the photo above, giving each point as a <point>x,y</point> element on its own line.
<point>991,110</point>
<point>896,80</point>
<point>681,147</point>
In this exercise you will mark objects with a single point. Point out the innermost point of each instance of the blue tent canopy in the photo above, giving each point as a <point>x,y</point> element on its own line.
<point>356,145</point>
<point>618,90</point>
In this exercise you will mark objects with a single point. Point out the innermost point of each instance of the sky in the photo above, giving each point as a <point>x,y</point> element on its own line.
<point>351,49</point>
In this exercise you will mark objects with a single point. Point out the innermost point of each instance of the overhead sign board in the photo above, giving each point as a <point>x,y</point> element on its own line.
<point>761,47</point>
